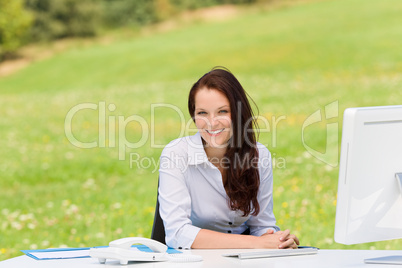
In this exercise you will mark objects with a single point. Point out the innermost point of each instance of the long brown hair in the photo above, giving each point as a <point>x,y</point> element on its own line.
<point>242,176</point>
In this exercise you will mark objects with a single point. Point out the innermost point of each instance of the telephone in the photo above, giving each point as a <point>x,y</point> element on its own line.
<point>121,250</point>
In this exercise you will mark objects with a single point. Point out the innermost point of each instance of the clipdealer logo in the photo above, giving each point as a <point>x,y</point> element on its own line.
<point>111,130</point>
<point>111,133</point>
<point>327,115</point>
<point>107,129</point>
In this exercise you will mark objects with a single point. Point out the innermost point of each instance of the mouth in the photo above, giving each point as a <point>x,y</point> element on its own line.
<point>214,132</point>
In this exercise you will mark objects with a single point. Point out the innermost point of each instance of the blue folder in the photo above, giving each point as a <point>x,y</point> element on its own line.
<point>29,252</point>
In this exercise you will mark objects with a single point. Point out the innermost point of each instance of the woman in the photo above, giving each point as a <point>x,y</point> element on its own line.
<point>216,185</point>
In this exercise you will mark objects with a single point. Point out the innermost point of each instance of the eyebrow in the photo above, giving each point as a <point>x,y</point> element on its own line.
<point>223,106</point>
<point>217,109</point>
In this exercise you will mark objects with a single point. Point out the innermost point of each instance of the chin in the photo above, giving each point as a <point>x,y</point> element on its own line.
<point>218,143</point>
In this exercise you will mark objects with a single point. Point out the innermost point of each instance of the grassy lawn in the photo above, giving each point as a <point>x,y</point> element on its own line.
<point>292,61</point>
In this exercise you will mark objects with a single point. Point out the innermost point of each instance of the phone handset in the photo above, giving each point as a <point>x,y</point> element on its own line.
<point>122,251</point>
<point>127,242</point>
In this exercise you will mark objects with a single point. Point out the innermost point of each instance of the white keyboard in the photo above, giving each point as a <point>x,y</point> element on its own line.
<point>273,253</point>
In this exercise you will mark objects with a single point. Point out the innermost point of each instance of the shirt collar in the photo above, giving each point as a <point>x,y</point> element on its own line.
<point>196,152</point>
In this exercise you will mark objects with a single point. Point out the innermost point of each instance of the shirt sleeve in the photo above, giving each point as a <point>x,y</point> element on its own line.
<point>265,219</point>
<point>175,200</point>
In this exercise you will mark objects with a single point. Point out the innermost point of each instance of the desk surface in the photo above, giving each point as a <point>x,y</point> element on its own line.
<point>213,258</point>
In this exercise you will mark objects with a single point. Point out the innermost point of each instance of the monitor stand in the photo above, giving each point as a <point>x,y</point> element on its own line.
<point>396,259</point>
<point>398,177</point>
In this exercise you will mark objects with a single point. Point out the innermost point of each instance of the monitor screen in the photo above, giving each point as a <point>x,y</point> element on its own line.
<point>369,202</point>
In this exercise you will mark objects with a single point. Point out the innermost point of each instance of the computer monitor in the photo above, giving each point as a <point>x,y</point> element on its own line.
<point>369,203</point>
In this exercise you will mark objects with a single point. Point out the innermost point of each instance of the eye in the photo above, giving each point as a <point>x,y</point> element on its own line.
<point>201,113</point>
<point>223,111</point>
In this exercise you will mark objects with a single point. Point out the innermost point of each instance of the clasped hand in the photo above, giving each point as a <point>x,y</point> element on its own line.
<point>280,239</point>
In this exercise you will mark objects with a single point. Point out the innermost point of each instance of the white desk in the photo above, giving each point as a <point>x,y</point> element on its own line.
<point>213,258</point>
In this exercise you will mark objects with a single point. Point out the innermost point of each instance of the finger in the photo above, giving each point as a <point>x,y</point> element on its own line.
<point>284,235</point>
<point>288,244</point>
<point>269,232</point>
<point>292,236</point>
<point>296,240</point>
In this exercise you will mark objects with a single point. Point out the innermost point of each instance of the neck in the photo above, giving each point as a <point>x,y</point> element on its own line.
<point>215,156</point>
<point>215,152</point>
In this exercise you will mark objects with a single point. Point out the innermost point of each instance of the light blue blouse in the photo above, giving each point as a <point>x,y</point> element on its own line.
<point>192,196</point>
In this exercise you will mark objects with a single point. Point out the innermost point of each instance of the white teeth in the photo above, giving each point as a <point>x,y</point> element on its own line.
<point>215,132</point>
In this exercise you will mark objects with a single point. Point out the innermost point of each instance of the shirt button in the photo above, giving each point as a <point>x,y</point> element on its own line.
<point>229,232</point>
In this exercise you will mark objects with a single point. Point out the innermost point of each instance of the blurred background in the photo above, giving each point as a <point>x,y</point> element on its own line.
<point>115,74</point>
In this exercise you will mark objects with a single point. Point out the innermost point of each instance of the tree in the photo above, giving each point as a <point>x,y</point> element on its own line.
<point>63,18</point>
<point>14,24</point>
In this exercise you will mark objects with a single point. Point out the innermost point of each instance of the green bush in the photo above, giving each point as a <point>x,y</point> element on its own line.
<point>14,22</point>
<point>128,12</point>
<point>194,4</point>
<point>63,18</point>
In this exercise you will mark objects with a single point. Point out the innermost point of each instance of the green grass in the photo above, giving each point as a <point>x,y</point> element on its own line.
<point>293,61</point>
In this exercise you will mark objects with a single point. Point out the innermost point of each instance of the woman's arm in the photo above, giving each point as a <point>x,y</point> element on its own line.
<point>264,223</point>
<point>174,198</point>
<point>211,239</point>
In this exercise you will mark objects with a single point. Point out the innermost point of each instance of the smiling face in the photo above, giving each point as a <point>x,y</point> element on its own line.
<point>213,117</point>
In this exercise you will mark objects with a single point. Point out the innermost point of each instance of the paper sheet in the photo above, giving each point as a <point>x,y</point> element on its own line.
<point>61,254</point>
<point>70,253</point>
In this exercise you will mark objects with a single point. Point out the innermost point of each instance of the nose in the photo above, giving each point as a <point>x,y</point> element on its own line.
<point>215,121</point>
